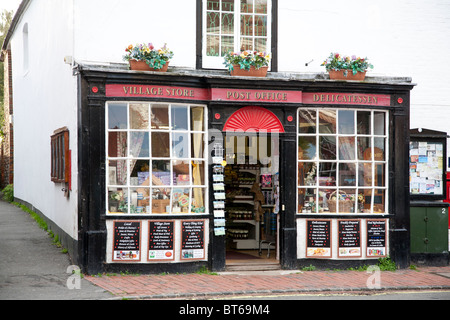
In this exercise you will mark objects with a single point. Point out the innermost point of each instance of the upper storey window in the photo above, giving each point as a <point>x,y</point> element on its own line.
<point>235,25</point>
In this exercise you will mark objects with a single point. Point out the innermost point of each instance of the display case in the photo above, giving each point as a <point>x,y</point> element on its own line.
<point>427,152</point>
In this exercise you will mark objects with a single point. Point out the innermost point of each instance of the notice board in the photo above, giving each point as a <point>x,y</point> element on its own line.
<point>427,167</point>
<point>160,240</point>
<point>192,240</point>
<point>318,238</point>
<point>349,238</point>
<point>126,241</point>
<point>376,238</point>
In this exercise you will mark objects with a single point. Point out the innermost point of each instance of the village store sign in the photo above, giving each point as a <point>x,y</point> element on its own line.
<point>244,95</point>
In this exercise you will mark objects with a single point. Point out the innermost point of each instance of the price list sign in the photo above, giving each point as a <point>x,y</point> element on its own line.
<point>160,240</point>
<point>127,238</point>
<point>376,238</point>
<point>193,240</point>
<point>349,238</point>
<point>318,241</point>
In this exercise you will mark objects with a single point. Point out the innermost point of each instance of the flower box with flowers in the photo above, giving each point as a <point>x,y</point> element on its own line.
<point>144,57</point>
<point>247,63</point>
<point>346,68</point>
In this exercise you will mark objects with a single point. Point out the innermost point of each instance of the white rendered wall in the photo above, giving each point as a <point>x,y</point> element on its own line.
<point>104,28</point>
<point>400,38</point>
<point>44,100</point>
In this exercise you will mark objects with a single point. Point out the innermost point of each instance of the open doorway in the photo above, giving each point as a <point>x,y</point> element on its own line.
<point>252,200</point>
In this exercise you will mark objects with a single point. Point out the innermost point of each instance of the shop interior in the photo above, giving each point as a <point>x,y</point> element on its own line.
<point>251,179</point>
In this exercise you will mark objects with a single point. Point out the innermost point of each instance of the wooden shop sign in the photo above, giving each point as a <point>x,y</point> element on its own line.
<point>150,91</point>
<point>249,95</point>
<point>347,98</point>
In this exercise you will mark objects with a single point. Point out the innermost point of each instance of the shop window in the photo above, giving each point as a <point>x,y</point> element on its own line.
<point>60,165</point>
<point>235,25</point>
<point>156,158</point>
<point>342,161</point>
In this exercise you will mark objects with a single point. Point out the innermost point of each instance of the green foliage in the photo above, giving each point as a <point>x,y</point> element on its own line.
<point>41,222</point>
<point>310,268</point>
<point>204,270</point>
<point>8,193</point>
<point>338,62</point>
<point>386,264</point>
<point>247,59</point>
<point>156,59</point>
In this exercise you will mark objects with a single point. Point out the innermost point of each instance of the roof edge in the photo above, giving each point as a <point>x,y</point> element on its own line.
<point>19,13</point>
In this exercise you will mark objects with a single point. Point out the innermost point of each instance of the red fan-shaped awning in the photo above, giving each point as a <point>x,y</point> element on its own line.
<point>253,119</point>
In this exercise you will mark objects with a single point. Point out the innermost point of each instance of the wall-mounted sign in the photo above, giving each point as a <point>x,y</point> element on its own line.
<point>192,240</point>
<point>160,240</point>
<point>127,238</point>
<point>349,238</point>
<point>347,98</point>
<point>250,95</point>
<point>318,238</point>
<point>376,238</point>
<point>155,91</point>
<point>245,95</point>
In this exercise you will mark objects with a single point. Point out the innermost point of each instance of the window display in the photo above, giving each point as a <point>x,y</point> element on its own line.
<point>341,161</point>
<point>155,158</point>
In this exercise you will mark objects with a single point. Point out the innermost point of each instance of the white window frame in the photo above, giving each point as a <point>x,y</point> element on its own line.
<point>128,186</point>
<point>356,161</point>
<point>217,62</point>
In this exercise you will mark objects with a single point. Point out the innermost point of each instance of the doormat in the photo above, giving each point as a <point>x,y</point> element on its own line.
<point>234,255</point>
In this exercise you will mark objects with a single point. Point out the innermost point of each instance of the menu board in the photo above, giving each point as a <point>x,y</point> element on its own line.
<point>127,238</point>
<point>349,238</point>
<point>426,168</point>
<point>160,240</point>
<point>376,238</point>
<point>318,238</point>
<point>193,239</point>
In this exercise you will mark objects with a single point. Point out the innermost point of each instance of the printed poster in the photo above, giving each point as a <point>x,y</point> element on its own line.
<point>318,238</point>
<point>349,238</point>
<point>127,238</point>
<point>160,240</point>
<point>193,240</point>
<point>376,238</point>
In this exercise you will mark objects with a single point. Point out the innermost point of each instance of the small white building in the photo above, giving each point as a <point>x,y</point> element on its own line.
<point>69,80</point>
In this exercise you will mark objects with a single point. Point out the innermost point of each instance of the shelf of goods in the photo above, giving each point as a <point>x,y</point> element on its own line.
<point>242,228</point>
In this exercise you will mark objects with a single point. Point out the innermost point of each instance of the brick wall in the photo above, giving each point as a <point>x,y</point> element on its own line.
<point>7,152</point>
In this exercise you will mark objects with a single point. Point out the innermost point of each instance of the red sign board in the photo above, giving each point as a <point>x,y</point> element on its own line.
<point>367,99</point>
<point>146,91</point>
<point>248,95</point>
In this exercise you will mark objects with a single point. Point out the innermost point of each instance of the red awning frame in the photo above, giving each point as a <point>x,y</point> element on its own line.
<point>254,119</point>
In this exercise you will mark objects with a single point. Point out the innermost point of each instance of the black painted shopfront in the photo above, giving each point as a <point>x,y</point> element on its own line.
<point>158,166</point>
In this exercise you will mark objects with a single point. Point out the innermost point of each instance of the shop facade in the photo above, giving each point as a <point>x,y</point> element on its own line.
<point>320,167</point>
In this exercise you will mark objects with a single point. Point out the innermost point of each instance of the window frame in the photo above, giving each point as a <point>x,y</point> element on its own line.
<point>373,161</point>
<point>60,158</point>
<point>205,62</point>
<point>128,157</point>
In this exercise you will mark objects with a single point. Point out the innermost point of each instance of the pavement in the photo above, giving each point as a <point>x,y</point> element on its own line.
<point>33,268</point>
